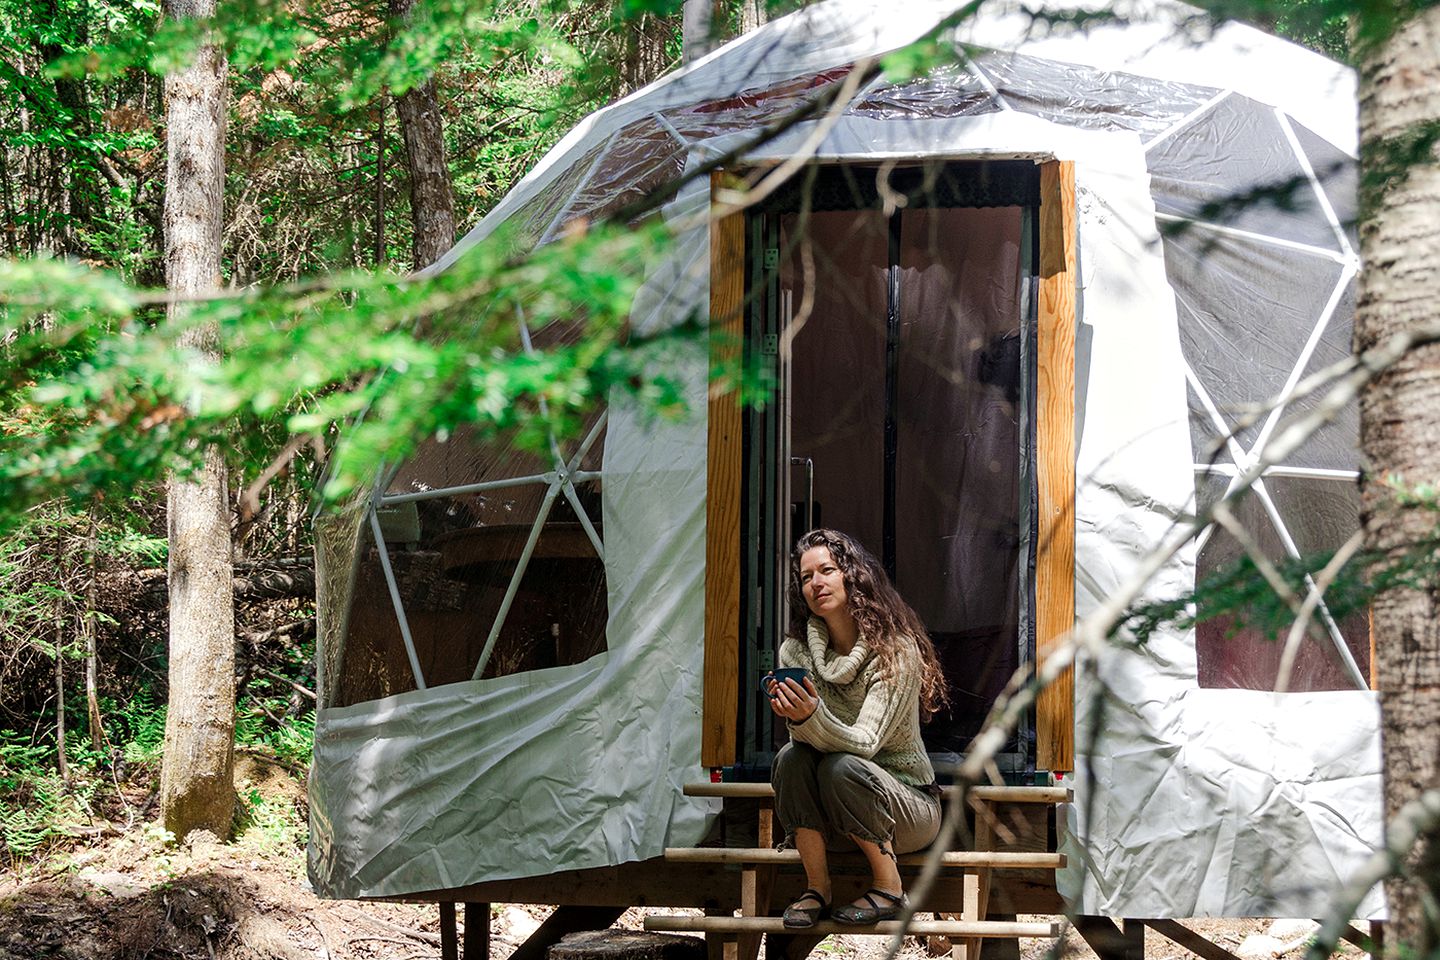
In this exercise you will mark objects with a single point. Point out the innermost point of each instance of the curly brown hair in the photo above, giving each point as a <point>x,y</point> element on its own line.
<point>885,619</point>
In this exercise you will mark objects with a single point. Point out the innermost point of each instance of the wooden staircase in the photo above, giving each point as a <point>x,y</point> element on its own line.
<point>738,937</point>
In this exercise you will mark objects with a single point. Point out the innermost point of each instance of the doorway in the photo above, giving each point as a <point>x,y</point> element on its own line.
<point>893,313</point>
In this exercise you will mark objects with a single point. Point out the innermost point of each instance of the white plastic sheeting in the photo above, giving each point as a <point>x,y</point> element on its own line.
<point>1204,801</point>
<point>564,768</point>
<point>1201,802</point>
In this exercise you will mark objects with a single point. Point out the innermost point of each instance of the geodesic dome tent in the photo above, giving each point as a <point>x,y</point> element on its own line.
<point>515,650</point>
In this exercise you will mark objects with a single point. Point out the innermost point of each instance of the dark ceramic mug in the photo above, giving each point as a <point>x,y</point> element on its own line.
<point>780,675</point>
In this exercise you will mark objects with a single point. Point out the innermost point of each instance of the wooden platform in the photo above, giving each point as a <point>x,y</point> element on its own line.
<point>755,880</point>
<point>995,860</point>
<point>961,894</point>
<point>1007,868</point>
<point>943,928</point>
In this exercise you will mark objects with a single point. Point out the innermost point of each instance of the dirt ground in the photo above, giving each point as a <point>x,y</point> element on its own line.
<point>125,894</point>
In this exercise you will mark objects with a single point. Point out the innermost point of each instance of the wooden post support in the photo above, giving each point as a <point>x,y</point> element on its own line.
<point>756,883</point>
<point>970,909</point>
<point>449,942</point>
<point>477,932</point>
<point>977,882</point>
<point>722,493</point>
<point>1111,942</point>
<point>719,945</point>
<point>1055,460</point>
<point>1177,932</point>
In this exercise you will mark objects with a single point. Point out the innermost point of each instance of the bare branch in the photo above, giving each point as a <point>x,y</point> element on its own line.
<point>1307,609</point>
<point>1091,632</point>
<point>727,202</point>
<point>250,498</point>
<point>1226,518</point>
<point>298,688</point>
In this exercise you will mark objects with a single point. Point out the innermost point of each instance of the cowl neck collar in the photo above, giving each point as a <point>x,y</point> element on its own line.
<point>832,667</point>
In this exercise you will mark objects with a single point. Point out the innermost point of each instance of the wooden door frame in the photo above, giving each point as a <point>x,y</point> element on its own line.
<point>723,467</point>
<point>1055,461</point>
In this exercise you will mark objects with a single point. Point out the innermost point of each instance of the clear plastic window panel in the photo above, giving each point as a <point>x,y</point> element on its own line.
<point>1236,167</point>
<point>948,91</point>
<point>495,555</point>
<point>1305,517</point>
<point>537,219</point>
<point>1086,97</point>
<point>1247,311</point>
<point>639,160</point>
<point>749,109</point>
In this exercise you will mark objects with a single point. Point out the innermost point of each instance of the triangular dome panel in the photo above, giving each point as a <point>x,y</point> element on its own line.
<point>1093,99</point>
<point>1234,167</point>
<point>1246,310</point>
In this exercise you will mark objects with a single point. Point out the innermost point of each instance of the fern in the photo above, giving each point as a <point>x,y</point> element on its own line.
<point>249,728</point>
<point>21,757</point>
<point>27,826</point>
<point>294,741</point>
<point>21,832</point>
<point>140,726</point>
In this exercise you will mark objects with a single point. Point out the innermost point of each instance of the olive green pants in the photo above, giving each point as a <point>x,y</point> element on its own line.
<point>843,796</point>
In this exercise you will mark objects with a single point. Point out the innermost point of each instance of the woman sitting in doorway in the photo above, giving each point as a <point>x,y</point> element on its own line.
<point>855,769</point>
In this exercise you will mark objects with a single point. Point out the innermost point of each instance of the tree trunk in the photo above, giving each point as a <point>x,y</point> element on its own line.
<point>697,29</point>
<point>84,193</point>
<point>753,15</point>
<point>196,789</point>
<point>378,214</point>
<point>90,628</point>
<point>432,202</point>
<point>1400,419</point>
<point>644,57</point>
<point>62,762</point>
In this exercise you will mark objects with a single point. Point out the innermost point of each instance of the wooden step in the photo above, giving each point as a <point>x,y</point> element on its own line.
<point>992,794</point>
<point>940,928</point>
<point>955,858</point>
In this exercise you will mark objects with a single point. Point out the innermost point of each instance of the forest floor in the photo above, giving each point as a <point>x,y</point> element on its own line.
<point>117,893</point>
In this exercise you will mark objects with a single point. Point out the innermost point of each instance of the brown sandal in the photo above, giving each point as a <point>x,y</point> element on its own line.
<point>797,917</point>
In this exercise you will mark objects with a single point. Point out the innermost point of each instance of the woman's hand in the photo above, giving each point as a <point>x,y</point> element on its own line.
<point>794,702</point>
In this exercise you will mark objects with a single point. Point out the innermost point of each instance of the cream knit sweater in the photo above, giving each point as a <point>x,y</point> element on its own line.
<point>862,712</point>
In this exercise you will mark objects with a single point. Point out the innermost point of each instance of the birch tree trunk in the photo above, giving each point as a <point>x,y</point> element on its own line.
<point>196,789</point>
<point>62,761</point>
<point>1400,418</point>
<point>704,24</point>
<point>697,29</point>
<point>90,628</point>
<point>432,203</point>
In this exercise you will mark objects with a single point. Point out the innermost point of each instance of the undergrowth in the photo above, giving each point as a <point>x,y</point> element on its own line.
<point>268,821</point>
<point>37,806</point>
<point>39,810</point>
<point>289,743</point>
